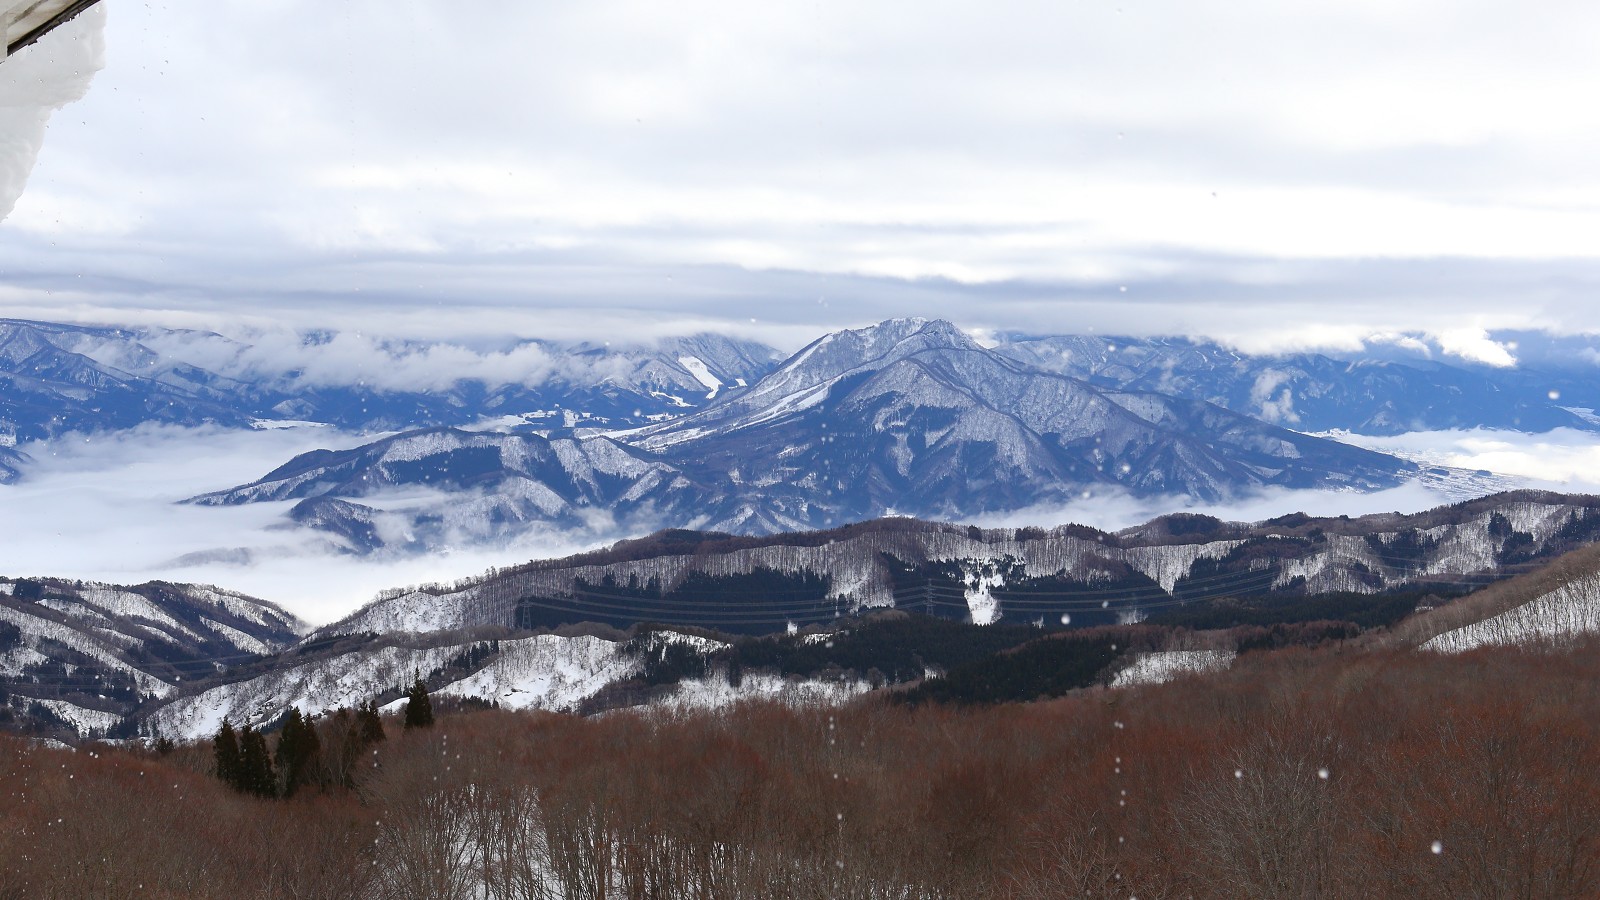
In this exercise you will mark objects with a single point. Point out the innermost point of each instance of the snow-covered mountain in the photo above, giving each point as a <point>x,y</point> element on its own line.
<point>1317,392</point>
<point>173,660</point>
<point>491,482</point>
<point>469,642</point>
<point>987,575</point>
<point>51,382</point>
<point>86,654</point>
<point>57,378</point>
<point>909,416</point>
<point>546,671</point>
<point>914,416</point>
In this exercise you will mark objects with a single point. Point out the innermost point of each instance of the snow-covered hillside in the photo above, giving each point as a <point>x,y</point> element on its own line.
<point>1161,667</point>
<point>87,653</point>
<point>1568,611</point>
<point>58,378</point>
<point>544,672</point>
<point>1015,574</point>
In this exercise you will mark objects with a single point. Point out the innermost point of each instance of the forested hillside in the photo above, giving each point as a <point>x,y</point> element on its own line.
<point>1295,773</point>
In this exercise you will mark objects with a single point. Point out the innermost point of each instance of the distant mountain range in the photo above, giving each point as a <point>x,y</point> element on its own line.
<point>1316,392</point>
<point>906,417</point>
<point>56,379</point>
<point>909,416</point>
<point>659,619</point>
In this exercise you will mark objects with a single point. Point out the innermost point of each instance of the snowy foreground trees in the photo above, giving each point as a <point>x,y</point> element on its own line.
<point>1295,773</point>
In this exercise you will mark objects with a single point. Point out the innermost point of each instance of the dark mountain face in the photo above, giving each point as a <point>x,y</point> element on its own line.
<point>909,416</point>
<point>61,378</point>
<point>1314,392</point>
<point>1090,577</point>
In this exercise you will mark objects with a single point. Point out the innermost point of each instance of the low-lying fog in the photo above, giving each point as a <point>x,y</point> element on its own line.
<point>105,507</point>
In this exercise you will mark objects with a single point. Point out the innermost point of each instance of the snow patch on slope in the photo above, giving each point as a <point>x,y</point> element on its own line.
<point>83,720</point>
<point>715,692</point>
<point>1566,612</point>
<point>696,367</point>
<point>547,672</point>
<point>1166,565</point>
<point>415,612</point>
<point>1158,668</point>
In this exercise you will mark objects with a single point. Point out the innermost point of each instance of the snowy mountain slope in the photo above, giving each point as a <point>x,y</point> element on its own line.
<point>1565,613</point>
<point>484,485</point>
<point>1313,392</point>
<point>11,464</point>
<point>546,672</point>
<point>51,382</point>
<point>89,653</point>
<point>909,416</point>
<point>914,416</point>
<point>764,584</point>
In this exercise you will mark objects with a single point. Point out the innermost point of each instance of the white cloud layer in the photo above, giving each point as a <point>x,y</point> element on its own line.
<point>106,508</point>
<point>1562,459</point>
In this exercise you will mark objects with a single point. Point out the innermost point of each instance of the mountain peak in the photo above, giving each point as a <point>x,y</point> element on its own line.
<point>873,347</point>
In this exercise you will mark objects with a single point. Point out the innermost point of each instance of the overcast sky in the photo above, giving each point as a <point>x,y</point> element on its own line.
<point>1279,173</point>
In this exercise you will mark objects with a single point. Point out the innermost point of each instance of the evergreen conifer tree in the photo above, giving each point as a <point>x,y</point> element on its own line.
<point>225,746</point>
<point>255,764</point>
<point>298,747</point>
<point>370,723</point>
<point>419,709</point>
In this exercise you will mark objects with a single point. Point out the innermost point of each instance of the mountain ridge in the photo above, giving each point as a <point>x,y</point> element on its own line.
<point>908,416</point>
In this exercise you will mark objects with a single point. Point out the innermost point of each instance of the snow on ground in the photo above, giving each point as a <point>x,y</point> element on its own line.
<point>415,612</point>
<point>981,604</point>
<point>84,720</point>
<point>315,687</point>
<point>38,628</point>
<point>1157,668</point>
<point>1566,612</point>
<point>715,692</point>
<point>702,374</point>
<point>546,672</point>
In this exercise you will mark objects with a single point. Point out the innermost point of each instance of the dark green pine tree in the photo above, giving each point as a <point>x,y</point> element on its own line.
<point>255,764</point>
<point>298,748</point>
<point>370,723</point>
<point>225,746</point>
<point>419,709</point>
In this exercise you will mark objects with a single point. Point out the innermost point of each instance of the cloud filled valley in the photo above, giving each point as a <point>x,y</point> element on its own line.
<point>106,508</point>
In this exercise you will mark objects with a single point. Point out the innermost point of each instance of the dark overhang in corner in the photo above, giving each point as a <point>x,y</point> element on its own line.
<point>24,21</point>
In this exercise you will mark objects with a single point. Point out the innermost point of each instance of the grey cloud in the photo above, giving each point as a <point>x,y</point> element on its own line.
<point>1252,172</point>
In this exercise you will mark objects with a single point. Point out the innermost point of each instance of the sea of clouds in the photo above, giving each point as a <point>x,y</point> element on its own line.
<point>106,507</point>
